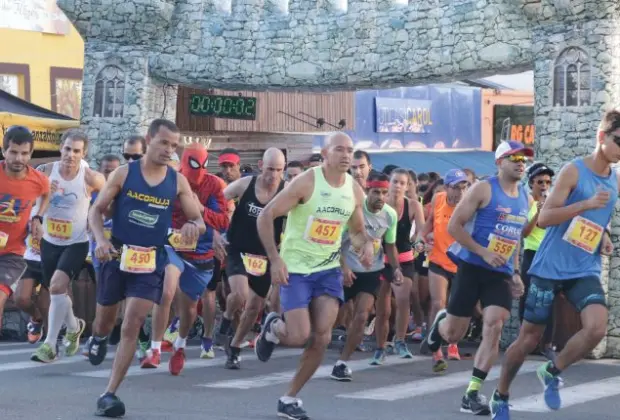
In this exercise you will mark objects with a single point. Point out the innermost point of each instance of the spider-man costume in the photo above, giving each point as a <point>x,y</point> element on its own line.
<point>210,194</point>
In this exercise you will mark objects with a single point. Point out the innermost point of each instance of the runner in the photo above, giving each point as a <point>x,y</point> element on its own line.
<point>361,283</point>
<point>20,186</point>
<point>64,246</point>
<point>318,203</point>
<point>441,269</point>
<point>192,269</point>
<point>247,266</point>
<point>134,259</point>
<point>487,226</point>
<point>576,214</point>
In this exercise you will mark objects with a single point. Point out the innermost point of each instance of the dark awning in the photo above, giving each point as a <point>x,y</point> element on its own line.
<point>481,162</point>
<point>14,105</point>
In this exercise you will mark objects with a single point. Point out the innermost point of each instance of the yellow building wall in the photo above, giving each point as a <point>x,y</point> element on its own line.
<point>41,51</point>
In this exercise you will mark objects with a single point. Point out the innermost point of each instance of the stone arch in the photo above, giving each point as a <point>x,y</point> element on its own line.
<point>572,78</point>
<point>109,92</point>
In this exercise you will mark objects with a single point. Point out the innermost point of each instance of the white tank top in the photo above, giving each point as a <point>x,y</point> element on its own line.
<point>33,252</point>
<point>66,219</point>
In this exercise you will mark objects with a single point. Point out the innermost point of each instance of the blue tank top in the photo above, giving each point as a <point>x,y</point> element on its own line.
<point>566,254</point>
<point>143,214</point>
<point>498,227</point>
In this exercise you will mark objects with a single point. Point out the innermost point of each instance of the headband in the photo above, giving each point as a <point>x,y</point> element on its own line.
<point>230,158</point>
<point>377,184</point>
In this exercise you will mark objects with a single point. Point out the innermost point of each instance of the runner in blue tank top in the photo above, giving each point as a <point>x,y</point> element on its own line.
<point>487,225</point>
<point>134,259</point>
<point>576,214</point>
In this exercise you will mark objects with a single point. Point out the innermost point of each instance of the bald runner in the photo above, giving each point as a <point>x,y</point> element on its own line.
<point>247,266</point>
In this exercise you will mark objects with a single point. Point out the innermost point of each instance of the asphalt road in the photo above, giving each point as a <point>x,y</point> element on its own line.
<point>401,389</point>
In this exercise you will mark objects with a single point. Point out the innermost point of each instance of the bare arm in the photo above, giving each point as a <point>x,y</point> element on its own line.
<point>189,204</point>
<point>45,199</point>
<point>297,191</point>
<point>392,254</point>
<point>476,197</point>
<point>531,224</point>
<point>105,197</point>
<point>94,180</point>
<point>416,214</point>
<point>554,211</point>
<point>357,231</point>
<point>428,225</point>
<point>236,189</point>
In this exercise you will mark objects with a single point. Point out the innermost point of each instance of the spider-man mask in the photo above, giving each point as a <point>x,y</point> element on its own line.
<point>194,163</point>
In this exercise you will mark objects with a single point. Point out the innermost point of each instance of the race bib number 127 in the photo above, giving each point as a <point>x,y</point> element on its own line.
<point>584,234</point>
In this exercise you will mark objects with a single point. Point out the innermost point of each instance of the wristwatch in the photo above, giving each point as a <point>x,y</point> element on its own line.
<point>37,217</point>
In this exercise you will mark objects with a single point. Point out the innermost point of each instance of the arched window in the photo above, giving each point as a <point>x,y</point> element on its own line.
<point>571,78</point>
<point>109,93</point>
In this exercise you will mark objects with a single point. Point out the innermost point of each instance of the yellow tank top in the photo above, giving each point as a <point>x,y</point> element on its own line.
<point>533,240</point>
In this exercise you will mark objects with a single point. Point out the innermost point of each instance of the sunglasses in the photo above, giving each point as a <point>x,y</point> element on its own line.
<point>132,156</point>
<point>517,158</point>
<point>543,182</point>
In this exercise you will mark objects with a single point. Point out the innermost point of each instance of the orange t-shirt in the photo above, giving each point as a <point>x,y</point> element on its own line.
<point>17,196</point>
<point>442,212</point>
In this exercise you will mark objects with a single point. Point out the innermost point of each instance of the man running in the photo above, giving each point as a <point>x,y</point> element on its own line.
<point>20,186</point>
<point>319,203</point>
<point>361,283</point>
<point>577,215</point>
<point>134,259</point>
<point>441,268</point>
<point>486,225</point>
<point>64,246</point>
<point>247,266</point>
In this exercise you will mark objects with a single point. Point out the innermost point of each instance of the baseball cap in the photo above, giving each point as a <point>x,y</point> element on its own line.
<point>511,147</point>
<point>454,176</point>
<point>539,169</point>
<point>229,156</point>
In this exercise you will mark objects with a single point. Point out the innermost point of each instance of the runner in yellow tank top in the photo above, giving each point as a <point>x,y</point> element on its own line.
<point>319,203</point>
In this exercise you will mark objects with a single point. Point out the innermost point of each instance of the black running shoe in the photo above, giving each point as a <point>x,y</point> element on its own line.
<point>97,349</point>
<point>292,411</point>
<point>433,338</point>
<point>476,404</point>
<point>109,405</point>
<point>233,362</point>
<point>342,373</point>
<point>263,347</point>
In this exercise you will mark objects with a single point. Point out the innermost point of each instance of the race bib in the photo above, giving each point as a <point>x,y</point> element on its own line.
<point>59,228</point>
<point>502,246</point>
<point>34,244</point>
<point>4,239</point>
<point>584,234</point>
<point>176,241</point>
<point>255,265</point>
<point>376,246</point>
<point>107,233</point>
<point>137,260</point>
<point>323,231</point>
<point>89,257</point>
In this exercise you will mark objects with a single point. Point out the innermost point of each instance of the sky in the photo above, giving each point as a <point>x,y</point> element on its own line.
<point>519,81</point>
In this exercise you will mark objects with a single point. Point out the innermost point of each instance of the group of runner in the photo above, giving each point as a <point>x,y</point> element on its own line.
<point>312,247</point>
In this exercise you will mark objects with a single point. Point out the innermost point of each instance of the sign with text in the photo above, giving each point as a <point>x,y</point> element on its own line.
<point>400,115</point>
<point>513,122</point>
<point>33,15</point>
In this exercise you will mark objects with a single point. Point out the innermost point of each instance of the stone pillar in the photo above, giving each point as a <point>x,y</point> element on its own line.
<point>119,97</point>
<point>577,78</point>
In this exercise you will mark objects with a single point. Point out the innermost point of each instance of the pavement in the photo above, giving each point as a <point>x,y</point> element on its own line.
<point>401,389</point>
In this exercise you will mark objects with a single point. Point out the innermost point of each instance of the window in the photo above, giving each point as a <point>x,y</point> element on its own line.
<point>571,78</point>
<point>15,79</point>
<point>109,93</point>
<point>66,91</point>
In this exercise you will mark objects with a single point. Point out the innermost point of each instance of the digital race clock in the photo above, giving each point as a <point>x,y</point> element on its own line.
<point>220,106</point>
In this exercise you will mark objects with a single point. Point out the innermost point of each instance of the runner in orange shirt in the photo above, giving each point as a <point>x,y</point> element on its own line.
<point>20,186</point>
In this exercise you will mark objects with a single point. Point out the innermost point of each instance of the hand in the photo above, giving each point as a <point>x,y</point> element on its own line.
<point>347,277</point>
<point>398,277</point>
<point>598,200</point>
<point>279,273</point>
<point>104,250</point>
<point>539,205</point>
<point>219,246</point>
<point>189,233</point>
<point>607,247</point>
<point>494,260</point>
<point>516,286</point>
<point>419,246</point>
<point>54,186</point>
<point>36,230</point>
<point>367,253</point>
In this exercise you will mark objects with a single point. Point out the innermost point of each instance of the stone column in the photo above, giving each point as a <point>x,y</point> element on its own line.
<point>119,97</point>
<point>577,78</point>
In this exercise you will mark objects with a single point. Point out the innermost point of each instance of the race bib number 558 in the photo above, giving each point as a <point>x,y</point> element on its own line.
<point>323,231</point>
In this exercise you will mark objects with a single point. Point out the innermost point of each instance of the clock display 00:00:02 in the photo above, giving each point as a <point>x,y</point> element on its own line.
<point>221,106</point>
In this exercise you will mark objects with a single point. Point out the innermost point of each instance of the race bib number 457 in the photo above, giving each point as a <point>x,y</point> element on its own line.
<point>502,246</point>
<point>138,260</point>
<point>323,231</point>
<point>584,234</point>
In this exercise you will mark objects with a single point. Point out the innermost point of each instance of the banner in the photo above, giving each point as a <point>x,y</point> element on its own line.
<point>46,131</point>
<point>513,122</point>
<point>396,115</point>
<point>33,15</point>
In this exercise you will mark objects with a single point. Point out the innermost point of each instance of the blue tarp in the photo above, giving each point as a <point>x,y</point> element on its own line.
<point>481,162</point>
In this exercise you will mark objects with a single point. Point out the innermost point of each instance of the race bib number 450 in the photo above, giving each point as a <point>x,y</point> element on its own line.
<point>502,246</point>
<point>323,231</point>
<point>59,228</point>
<point>584,234</point>
<point>138,260</point>
<point>255,265</point>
